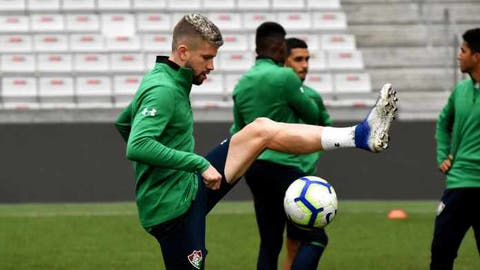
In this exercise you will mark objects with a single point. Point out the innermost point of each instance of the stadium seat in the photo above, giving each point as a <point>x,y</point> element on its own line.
<point>50,43</point>
<point>78,5</point>
<point>288,4</point>
<point>253,4</point>
<point>251,20</point>
<point>186,5</point>
<point>219,4</point>
<point>122,43</point>
<point>329,21</point>
<point>43,5</point>
<point>86,43</point>
<point>321,82</point>
<point>82,23</point>
<point>294,20</point>
<point>113,5</point>
<point>344,60</point>
<point>323,4</point>
<point>124,87</point>
<point>338,42</point>
<point>127,62</point>
<point>15,43</point>
<point>94,90</point>
<point>226,20</point>
<point>157,42</point>
<point>117,24</point>
<point>17,63</point>
<point>352,83</point>
<point>210,89</point>
<point>47,22</point>
<point>56,91</point>
<point>91,62</point>
<point>14,23</point>
<point>230,82</point>
<point>13,5</point>
<point>19,90</point>
<point>149,5</point>
<point>153,22</point>
<point>235,61</point>
<point>318,60</point>
<point>54,63</point>
<point>234,42</point>
<point>311,40</point>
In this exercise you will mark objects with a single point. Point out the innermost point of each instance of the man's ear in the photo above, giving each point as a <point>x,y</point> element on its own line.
<point>183,52</point>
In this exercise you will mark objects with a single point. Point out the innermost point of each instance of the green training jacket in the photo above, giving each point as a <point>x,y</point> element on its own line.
<point>269,90</point>
<point>158,128</point>
<point>458,134</point>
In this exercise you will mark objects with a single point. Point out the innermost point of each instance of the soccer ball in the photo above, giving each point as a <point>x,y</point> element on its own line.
<point>310,202</point>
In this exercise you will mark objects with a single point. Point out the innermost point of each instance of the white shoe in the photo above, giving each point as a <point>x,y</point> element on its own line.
<point>372,133</point>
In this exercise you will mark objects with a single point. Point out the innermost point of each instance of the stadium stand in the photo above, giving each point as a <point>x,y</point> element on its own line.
<point>92,53</point>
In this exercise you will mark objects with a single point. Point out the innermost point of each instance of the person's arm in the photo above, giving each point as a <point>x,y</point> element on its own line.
<point>124,121</point>
<point>444,131</point>
<point>149,123</point>
<point>303,106</point>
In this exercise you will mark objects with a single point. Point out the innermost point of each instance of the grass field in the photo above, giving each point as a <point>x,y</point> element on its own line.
<point>108,236</point>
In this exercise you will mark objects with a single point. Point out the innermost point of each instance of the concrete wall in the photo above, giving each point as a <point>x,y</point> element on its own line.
<point>77,162</point>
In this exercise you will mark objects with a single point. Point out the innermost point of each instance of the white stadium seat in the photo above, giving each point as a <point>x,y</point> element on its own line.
<point>125,86</point>
<point>149,4</point>
<point>226,20</point>
<point>19,90</point>
<point>18,63</point>
<point>122,43</point>
<point>54,63</point>
<point>91,62</point>
<point>294,20</point>
<point>75,5</point>
<point>321,82</point>
<point>318,60</point>
<point>337,42</point>
<point>219,4</point>
<point>288,4</point>
<point>253,4</point>
<point>50,43</point>
<point>93,89</point>
<point>117,24</point>
<point>43,5</point>
<point>328,21</point>
<point>113,4</point>
<point>12,5</point>
<point>157,42</point>
<point>323,4</point>
<point>154,22</point>
<point>186,5</point>
<point>56,90</point>
<point>352,83</point>
<point>235,42</point>
<point>82,23</point>
<point>14,23</point>
<point>213,85</point>
<point>251,20</point>
<point>311,40</point>
<point>344,60</point>
<point>47,22</point>
<point>230,81</point>
<point>127,62</point>
<point>235,61</point>
<point>86,42</point>
<point>15,43</point>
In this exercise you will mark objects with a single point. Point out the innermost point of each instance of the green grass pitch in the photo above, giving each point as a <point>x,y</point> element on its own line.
<point>108,236</point>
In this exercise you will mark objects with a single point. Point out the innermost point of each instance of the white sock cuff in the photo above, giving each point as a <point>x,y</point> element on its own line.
<point>334,137</point>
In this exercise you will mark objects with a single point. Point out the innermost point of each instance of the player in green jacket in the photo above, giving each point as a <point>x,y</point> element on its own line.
<point>458,156</point>
<point>174,187</point>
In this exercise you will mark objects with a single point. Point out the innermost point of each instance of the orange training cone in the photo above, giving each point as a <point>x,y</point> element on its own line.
<point>397,214</point>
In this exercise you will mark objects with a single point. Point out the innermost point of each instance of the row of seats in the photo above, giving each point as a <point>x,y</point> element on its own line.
<point>100,5</point>
<point>150,42</point>
<point>138,62</point>
<point>130,23</point>
<point>17,91</point>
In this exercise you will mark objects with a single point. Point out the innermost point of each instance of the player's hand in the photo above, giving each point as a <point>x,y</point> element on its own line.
<point>446,164</point>
<point>212,178</point>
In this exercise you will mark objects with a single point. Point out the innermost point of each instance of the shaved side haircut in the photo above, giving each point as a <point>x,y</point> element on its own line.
<point>295,43</point>
<point>268,35</point>
<point>195,27</point>
<point>472,37</point>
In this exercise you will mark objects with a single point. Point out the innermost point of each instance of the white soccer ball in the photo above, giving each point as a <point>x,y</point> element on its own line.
<point>310,202</point>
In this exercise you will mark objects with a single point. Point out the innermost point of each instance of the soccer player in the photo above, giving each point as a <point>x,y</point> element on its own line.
<point>458,156</point>
<point>270,90</point>
<point>174,187</point>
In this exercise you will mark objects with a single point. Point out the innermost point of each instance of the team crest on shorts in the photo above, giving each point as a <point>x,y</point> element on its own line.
<point>196,258</point>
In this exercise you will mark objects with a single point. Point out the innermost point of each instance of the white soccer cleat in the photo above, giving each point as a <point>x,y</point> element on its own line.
<point>372,133</point>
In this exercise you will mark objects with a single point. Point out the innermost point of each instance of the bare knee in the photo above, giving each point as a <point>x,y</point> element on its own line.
<point>263,128</point>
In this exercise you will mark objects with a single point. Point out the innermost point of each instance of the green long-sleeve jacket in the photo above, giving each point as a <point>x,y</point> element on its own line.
<point>458,134</point>
<point>158,128</point>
